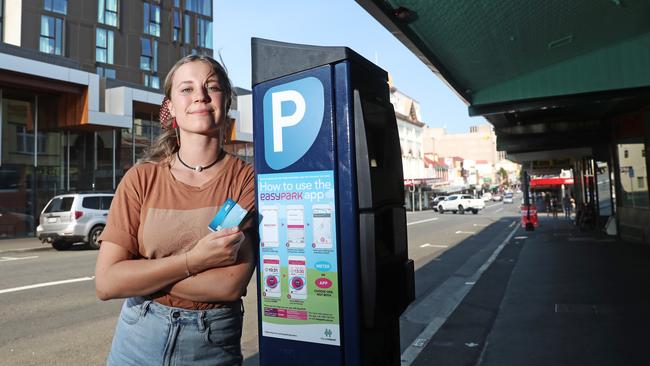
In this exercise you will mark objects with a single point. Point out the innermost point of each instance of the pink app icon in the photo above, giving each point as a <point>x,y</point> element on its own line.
<point>271,281</point>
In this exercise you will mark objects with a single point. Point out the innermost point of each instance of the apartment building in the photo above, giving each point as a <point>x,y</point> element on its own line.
<point>80,91</point>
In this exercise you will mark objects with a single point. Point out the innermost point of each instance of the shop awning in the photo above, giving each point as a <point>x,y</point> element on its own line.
<point>536,182</point>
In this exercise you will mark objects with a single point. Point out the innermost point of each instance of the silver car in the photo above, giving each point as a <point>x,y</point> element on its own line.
<point>73,218</point>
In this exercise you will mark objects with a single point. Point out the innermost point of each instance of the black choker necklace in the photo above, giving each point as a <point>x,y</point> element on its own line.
<point>198,168</point>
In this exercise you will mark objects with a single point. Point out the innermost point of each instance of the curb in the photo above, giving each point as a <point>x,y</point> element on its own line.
<point>21,250</point>
<point>449,295</point>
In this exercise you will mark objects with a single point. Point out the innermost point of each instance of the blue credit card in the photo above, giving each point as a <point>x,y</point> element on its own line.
<point>230,215</point>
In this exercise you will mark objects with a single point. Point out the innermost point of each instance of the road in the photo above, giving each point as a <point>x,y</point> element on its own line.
<point>50,315</point>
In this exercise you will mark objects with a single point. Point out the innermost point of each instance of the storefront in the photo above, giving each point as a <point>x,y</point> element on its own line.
<point>631,142</point>
<point>55,139</point>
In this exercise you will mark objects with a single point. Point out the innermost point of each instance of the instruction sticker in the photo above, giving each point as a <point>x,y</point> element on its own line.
<point>298,257</point>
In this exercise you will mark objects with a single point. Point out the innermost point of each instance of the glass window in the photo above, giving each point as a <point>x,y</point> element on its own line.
<point>107,12</point>
<point>203,7</point>
<point>146,57</point>
<point>176,32</point>
<point>177,3</point>
<point>57,6</point>
<point>17,178</point>
<point>152,19</point>
<point>1,22</point>
<point>186,31</point>
<point>152,81</point>
<point>60,204</point>
<point>51,35</point>
<point>106,202</point>
<point>633,175</point>
<point>124,153</point>
<point>142,136</point>
<point>103,160</point>
<point>91,202</point>
<point>148,54</point>
<point>104,46</point>
<point>189,5</point>
<point>206,7</point>
<point>203,33</point>
<point>106,72</point>
<point>25,141</point>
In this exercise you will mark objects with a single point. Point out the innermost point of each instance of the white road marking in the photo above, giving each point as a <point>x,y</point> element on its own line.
<point>421,221</point>
<point>465,232</point>
<point>498,210</point>
<point>481,225</point>
<point>7,259</point>
<point>420,342</point>
<point>433,245</point>
<point>46,284</point>
<point>520,237</point>
<point>470,283</point>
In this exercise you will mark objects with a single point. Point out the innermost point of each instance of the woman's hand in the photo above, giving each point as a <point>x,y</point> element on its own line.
<point>217,249</point>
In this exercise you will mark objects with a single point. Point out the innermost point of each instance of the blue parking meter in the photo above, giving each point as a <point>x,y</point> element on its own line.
<point>333,271</point>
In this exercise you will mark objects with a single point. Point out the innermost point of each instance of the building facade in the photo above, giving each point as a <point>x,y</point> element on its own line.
<point>410,127</point>
<point>80,93</point>
<point>480,143</point>
<point>478,149</point>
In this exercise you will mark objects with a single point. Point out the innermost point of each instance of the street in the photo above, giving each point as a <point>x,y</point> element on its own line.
<point>51,315</point>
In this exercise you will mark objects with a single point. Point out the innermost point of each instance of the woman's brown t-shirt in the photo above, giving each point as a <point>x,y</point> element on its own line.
<point>154,216</point>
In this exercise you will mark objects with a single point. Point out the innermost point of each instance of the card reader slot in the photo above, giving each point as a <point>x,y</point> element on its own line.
<point>368,267</point>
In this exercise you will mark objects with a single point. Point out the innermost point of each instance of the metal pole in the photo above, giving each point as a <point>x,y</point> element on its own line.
<point>35,132</point>
<point>114,147</point>
<point>1,103</point>
<point>67,162</point>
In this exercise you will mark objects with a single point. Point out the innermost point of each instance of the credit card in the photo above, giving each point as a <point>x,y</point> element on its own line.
<point>229,215</point>
<point>234,217</point>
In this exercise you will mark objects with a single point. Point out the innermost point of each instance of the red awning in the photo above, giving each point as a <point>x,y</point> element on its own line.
<point>536,182</point>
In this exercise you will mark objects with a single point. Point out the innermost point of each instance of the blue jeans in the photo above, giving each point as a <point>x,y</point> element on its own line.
<point>149,333</point>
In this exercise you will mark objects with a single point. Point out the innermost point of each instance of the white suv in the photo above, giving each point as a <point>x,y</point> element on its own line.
<point>72,218</point>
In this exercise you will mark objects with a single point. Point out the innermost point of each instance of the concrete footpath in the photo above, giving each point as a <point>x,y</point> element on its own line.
<point>555,296</point>
<point>22,245</point>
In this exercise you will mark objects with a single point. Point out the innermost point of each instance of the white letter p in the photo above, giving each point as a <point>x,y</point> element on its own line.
<point>280,121</point>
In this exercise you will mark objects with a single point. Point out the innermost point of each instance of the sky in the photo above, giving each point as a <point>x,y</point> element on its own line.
<point>333,23</point>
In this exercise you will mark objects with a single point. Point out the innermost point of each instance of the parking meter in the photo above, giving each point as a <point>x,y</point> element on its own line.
<point>333,270</point>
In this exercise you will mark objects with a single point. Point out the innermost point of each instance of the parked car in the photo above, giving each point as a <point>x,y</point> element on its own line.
<point>436,201</point>
<point>497,198</point>
<point>73,218</point>
<point>486,196</point>
<point>508,198</point>
<point>461,203</point>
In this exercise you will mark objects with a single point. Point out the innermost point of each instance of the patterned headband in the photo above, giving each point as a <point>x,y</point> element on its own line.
<point>165,116</point>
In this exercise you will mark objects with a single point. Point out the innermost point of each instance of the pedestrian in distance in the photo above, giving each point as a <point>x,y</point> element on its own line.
<point>182,282</point>
<point>554,206</point>
<point>547,203</point>
<point>566,203</point>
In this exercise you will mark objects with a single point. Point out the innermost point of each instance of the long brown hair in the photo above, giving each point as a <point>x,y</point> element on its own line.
<point>166,145</point>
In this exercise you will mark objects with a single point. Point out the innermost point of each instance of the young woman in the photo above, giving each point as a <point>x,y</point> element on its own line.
<point>182,283</point>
